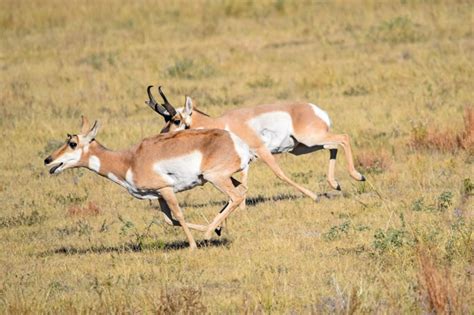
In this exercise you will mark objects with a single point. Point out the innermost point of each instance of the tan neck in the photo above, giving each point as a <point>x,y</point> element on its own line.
<point>106,162</point>
<point>201,120</point>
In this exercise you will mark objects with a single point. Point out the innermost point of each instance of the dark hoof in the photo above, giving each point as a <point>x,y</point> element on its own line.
<point>362,178</point>
<point>218,231</point>
<point>338,187</point>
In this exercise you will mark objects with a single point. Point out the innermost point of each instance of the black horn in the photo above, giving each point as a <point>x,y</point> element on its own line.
<point>167,104</point>
<point>155,106</point>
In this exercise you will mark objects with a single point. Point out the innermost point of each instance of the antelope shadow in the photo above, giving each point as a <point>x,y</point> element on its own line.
<point>256,200</point>
<point>134,247</point>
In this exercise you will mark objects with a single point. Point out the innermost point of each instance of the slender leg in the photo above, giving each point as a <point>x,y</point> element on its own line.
<point>245,177</point>
<point>331,167</point>
<point>235,191</point>
<point>268,158</point>
<point>170,198</point>
<point>331,140</point>
<point>171,221</point>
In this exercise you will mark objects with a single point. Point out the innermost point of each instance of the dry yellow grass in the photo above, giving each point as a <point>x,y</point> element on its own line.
<point>77,243</point>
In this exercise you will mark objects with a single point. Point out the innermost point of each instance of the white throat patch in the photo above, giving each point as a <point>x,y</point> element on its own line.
<point>94,163</point>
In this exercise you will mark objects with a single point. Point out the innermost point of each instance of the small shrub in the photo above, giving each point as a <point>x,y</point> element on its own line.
<point>373,162</point>
<point>181,301</point>
<point>436,288</point>
<point>92,209</point>
<point>467,187</point>
<point>71,198</point>
<point>81,227</point>
<point>336,231</point>
<point>98,60</point>
<point>445,200</point>
<point>265,82</point>
<point>355,91</point>
<point>390,239</point>
<point>189,69</point>
<point>22,219</point>
<point>397,30</point>
<point>459,243</point>
<point>442,203</point>
<point>426,138</point>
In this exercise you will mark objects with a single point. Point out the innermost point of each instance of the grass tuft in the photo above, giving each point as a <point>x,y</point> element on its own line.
<point>186,300</point>
<point>435,285</point>
<point>374,162</point>
<point>91,209</point>
<point>431,138</point>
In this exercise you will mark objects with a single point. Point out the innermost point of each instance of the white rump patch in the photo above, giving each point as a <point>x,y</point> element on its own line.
<point>242,150</point>
<point>275,130</point>
<point>94,163</point>
<point>321,114</point>
<point>181,172</point>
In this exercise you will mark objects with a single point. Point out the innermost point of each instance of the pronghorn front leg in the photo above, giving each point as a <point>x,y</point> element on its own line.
<point>169,197</point>
<point>269,159</point>
<point>165,209</point>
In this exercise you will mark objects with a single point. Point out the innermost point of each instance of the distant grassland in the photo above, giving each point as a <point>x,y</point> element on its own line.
<point>395,75</point>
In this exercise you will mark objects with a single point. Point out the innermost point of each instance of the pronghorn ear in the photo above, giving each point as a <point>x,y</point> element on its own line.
<point>85,126</point>
<point>188,107</point>
<point>93,132</point>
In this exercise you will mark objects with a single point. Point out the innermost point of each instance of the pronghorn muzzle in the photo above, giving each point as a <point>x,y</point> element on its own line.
<point>53,169</point>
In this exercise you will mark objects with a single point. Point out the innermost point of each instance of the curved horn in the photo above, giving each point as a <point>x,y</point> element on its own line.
<point>154,105</point>
<point>167,104</point>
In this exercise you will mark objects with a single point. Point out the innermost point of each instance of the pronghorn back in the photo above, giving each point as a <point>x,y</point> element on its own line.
<point>185,159</point>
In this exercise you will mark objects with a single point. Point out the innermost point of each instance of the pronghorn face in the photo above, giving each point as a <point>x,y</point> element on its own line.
<point>175,119</point>
<point>183,118</point>
<point>71,154</point>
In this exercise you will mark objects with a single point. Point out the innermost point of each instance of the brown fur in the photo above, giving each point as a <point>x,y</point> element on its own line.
<point>219,161</point>
<point>309,130</point>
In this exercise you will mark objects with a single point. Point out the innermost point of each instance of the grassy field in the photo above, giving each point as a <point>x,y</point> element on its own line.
<point>395,75</point>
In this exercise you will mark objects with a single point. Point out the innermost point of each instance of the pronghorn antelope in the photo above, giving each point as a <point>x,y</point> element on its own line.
<point>297,128</point>
<point>162,165</point>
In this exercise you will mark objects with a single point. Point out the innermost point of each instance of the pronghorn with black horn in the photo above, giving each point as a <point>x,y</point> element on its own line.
<point>297,128</point>
<point>160,166</point>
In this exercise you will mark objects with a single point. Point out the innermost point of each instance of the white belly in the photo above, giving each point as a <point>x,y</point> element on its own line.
<point>182,172</point>
<point>275,130</point>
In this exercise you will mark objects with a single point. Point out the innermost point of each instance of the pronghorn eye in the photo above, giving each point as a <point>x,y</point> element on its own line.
<point>73,145</point>
<point>177,122</point>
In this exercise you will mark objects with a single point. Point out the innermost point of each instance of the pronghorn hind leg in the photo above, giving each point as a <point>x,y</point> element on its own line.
<point>344,141</point>
<point>170,199</point>
<point>331,167</point>
<point>245,177</point>
<point>236,192</point>
<point>269,159</point>
<point>242,187</point>
<point>165,209</point>
<point>331,141</point>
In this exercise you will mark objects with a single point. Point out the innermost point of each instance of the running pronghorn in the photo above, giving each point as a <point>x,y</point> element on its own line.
<point>297,128</point>
<point>162,165</point>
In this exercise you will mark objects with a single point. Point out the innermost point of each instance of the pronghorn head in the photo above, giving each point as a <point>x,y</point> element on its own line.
<point>73,153</point>
<point>176,119</point>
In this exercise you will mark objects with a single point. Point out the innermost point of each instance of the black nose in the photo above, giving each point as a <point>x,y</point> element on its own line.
<point>48,160</point>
